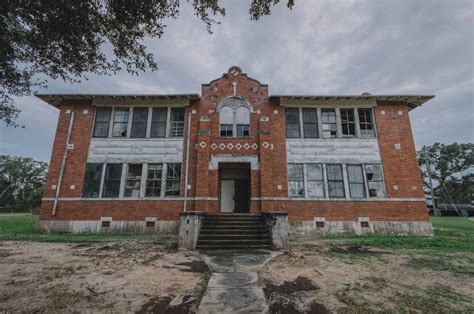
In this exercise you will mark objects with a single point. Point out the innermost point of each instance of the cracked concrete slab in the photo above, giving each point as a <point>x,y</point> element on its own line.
<point>233,286</point>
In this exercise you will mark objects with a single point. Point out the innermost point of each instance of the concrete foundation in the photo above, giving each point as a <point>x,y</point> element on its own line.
<point>361,227</point>
<point>94,226</point>
<point>278,225</point>
<point>189,226</point>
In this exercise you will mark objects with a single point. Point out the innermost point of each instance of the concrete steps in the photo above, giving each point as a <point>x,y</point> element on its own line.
<point>233,231</point>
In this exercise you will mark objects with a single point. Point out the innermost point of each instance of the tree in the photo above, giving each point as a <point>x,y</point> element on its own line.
<point>66,39</point>
<point>451,170</point>
<point>21,182</point>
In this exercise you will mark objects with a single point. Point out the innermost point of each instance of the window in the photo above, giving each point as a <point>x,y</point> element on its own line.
<point>102,121</point>
<point>375,180</point>
<point>120,123</point>
<point>234,118</point>
<point>153,181</point>
<point>158,122</point>
<point>139,122</point>
<point>356,181</point>
<point>243,130</point>
<point>173,180</point>
<point>348,122</point>
<point>113,174</point>
<point>335,181</point>
<point>134,178</point>
<point>295,180</point>
<point>310,122</point>
<point>92,180</point>
<point>329,123</point>
<point>366,122</point>
<point>292,122</point>
<point>314,180</point>
<point>177,122</point>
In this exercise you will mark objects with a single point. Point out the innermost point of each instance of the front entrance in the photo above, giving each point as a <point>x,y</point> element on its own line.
<point>234,187</point>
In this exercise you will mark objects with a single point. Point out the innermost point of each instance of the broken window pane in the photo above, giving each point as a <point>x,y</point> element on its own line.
<point>173,180</point>
<point>158,122</point>
<point>134,178</point>
<point>139,122</point>
<point>329,123</point>
<point>375,180</point>
<point>177,122</point>
<point>335,181</point>
<point>102,121</point>
<point>356,181</point>
<point>153,182</point>
<point>295,180</point>
<point>120,124</point>
<point>113,174</point>
<point>348,122</point>
<point>366,122</point>
<point>92,180</point>
<point>292,122</point>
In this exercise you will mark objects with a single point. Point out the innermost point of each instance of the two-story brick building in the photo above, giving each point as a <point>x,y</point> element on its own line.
<point>333,163</point>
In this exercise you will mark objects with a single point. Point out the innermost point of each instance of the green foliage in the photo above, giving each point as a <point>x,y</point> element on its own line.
<point>451,168</point>
<point>66,39</point>
<point>21,183</point>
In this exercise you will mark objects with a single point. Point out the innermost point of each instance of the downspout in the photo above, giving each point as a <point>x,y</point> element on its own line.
<point>188,135</point>
<point>63,164</point>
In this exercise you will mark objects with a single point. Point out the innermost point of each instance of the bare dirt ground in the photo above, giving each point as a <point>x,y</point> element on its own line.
<point>327,277</point>
<point>99,277</point>
<point>152,277</point>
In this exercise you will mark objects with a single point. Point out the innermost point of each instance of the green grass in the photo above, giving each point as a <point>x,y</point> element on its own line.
<point>452,234</point>
<point>23,228</point>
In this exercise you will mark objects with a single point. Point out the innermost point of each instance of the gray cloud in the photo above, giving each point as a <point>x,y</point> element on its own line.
<point>320,47</point>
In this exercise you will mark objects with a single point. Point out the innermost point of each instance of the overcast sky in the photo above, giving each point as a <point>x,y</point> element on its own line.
<point>319,47</point>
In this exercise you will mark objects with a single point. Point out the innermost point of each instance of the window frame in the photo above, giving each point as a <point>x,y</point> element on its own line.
<point>236,125</point>
<point>86,184</point>
<point>128,179</point>
<point>382,180</point>
<point>135,122</point>
<point>125,109</point>
<point>158,180</point>
<point>346,122</point>
<point>287,123</point>
<point>153,123</point>
<point>365,123</point>
<point>173,179</point>
<point>105,180</point>
<point>350,183</point>
<point>336,123</point>
<point>307,180</point>
<point>301,181</point>
<point>329,181</point>
<point>107,122</point>
<point>176,127</point>
<point>303,123</point>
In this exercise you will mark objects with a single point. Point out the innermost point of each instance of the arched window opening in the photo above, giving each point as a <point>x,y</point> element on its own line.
<point>234,117</point>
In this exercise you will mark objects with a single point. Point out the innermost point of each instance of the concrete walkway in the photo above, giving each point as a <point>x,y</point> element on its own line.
<point>233,286</point>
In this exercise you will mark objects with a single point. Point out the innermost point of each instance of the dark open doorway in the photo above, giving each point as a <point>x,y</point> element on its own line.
<point>234,187</point>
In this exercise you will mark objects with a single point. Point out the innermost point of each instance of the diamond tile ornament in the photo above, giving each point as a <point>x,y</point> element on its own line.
<point>222,146</point>
<point>265,145</point>
<point>214,146</point>
<point>230,146</point>
<point>254,145</point>
<point>238,146</point>
<point>246,146</point>
<point>203,144</point>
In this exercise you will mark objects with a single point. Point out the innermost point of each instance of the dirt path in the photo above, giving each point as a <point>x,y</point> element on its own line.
<point>116,277</point>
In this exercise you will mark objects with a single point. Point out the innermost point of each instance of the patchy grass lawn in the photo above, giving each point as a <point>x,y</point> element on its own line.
<point>23,228</point>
